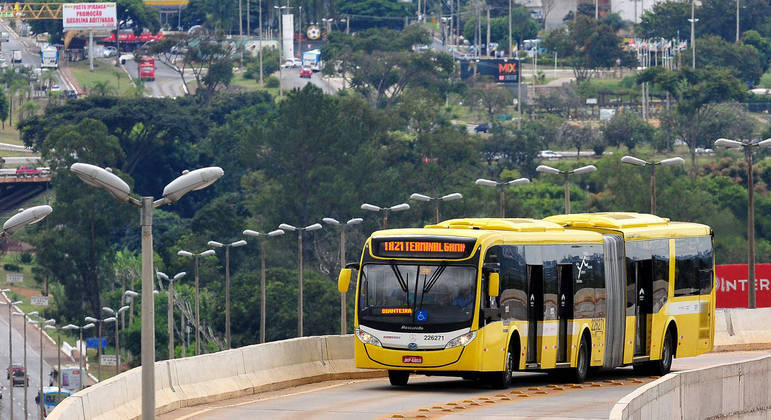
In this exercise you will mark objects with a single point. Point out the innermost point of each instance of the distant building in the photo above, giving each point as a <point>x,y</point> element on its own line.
<point>555,11</point>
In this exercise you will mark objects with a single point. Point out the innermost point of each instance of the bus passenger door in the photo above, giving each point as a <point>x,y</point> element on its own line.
<point>643,272</point>
<point>534,309</point>
<point>565,311</point>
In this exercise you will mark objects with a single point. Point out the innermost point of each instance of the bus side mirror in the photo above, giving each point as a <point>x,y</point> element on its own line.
<point>493,283</point>
<point>344,280</point>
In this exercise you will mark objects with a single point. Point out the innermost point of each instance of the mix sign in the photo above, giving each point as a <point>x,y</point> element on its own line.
<point>84,16</point>
<point>731,285</point>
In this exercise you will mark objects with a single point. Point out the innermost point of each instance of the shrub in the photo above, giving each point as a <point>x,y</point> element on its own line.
<point>11,267</point>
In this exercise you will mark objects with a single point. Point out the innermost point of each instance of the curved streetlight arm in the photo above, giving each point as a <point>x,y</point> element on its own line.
<point>189,181</point>
<point>370,207</point>
<point>178,276</point>
<point>486,182</point>
<point>330,221</point>
<point>315,226</point>
<point>450,197</point>
<point>25,217</point>
<point>548,170</point>
<point>238,243</point>
<point>765,143</point>
<point>518,181</point>
<point>727,143</point>
<point>672,161</point>
<point>249,232</point>
<point>420,197</point>
<point>584,170</point>
<point>400,207</point>
<point>207,253</point>
<point>277,232</point>
<point>102,178</point>
<point>287,227</point>
<point>214,244</point>
<point>354,221</point>
<point>634,161</point>
<point>184,253</point>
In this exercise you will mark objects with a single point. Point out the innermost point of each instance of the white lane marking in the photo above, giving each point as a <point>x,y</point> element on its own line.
<point>217,407</point>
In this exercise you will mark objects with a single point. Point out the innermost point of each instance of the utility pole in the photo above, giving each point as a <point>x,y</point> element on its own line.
<point>487,47</point>
<point>511,43</point>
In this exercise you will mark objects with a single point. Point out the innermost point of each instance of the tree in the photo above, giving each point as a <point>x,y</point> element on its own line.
<point>78,251</point>
<point>4,107</point>
<point>718,17</point>
<point>667,19</point>
<point>743,60</point>
<point>493,99</point>
<point>588,44</point>
<point>627,128</point>
<point>523,26</point>
<point>576,135</point>
<point>101,88</point>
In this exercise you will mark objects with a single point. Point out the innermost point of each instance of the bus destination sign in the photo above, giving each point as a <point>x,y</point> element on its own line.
<point>436,247</point>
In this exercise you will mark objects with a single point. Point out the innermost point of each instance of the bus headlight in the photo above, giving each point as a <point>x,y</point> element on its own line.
<point>461,340</point>
<point>367,338</point>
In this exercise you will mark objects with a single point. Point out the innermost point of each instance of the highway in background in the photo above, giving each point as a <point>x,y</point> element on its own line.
<point>441,397</point>
<point>33,366</point>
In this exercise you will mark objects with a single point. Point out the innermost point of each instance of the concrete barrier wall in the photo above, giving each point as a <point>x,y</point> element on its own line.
<point>742,329</point>
<point>736,390</point>
<point>218,376</point>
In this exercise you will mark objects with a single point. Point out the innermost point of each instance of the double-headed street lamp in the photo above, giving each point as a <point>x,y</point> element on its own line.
<point>748,146</point>
<point>335,222</point>
<point>385,210</point>
<point>26,376</point>
<point>578,171</point>
<point>215,244</point>
<point>195,257</point>
<point>170,313</point>
<point>42,324</point>
<point>116,314</point>
<point>501,185</point>
<point>263,237</point>
<point>299,230</point>
<point>436,201</point>
<point>99,323</point>
<point>187,182</point>
<point>10,304</point>
<point>666,162</point>
<point>81,350</point>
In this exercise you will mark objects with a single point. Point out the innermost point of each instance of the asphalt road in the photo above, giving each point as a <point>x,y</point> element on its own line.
<point>375,398</point>
<point>33,366</point>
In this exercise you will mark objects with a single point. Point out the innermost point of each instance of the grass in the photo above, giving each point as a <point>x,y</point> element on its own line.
<point>117,80</point>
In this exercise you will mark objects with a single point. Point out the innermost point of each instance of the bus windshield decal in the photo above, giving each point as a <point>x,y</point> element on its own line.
<point>452,248</point>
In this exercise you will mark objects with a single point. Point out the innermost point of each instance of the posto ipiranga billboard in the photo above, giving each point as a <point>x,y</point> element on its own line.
<point>501,70</point>
<point>85,16</point>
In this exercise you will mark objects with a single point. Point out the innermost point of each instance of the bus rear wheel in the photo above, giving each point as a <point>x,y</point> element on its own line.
<point>398,377</point>
<point>582,363</point>
<point>661,367</point>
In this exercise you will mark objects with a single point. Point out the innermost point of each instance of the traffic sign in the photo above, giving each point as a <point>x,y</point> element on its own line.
<point>38,300</point>
<point>108,360</point>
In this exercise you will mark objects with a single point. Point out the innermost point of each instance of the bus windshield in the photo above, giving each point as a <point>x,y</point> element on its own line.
<point>425,294</point>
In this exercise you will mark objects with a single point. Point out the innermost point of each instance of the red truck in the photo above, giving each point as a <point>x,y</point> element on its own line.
<point>146,68</point>
<point>25,170</point>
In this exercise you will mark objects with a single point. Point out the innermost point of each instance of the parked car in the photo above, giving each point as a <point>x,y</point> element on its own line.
<point>482,128</point>
<point>70,94</point>
<point>548,154</point>
<point>306,72</point>
<point>26,170</point>
<point>703,151</point>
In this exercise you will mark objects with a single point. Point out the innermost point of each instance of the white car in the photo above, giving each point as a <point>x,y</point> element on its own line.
<point>292,62</point>
<point>110,51</point>
<point>548,154</point>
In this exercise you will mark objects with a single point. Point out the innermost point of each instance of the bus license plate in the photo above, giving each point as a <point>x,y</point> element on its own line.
<point>412,359</point>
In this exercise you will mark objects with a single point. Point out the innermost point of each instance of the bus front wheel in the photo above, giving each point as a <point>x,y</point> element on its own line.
<point>582,363</point>
<point>398,377</point>
<point>502,380</point>
<point>661,367</point>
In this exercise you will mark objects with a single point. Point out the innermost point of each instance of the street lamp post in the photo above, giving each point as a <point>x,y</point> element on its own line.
<point>666,162</point>
<point>130,296</point>
<point>116,314</point>
<point>263,236</point>
<point>501,185</point>
<point>436,201</point>
<point>41,324</point>
<point>578,171</point>
<point>693,21</point>
<point>99,323</point>
<point>206,253</point>
<point>280,48</point>
<point>26,377</point>
<point>187,182</point>
<point>385,210</point>
<point>81,353</point>
<point>335,222</point>
<point>10,304</point>
<point>216,244</point>
<point>285,227</point>
<point>170,313</point>
<point>58,360</point>
<point>748,146</point>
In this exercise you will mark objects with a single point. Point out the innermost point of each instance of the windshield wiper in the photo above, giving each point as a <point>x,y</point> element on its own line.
<point>402,283</point>
<point>429,283</point>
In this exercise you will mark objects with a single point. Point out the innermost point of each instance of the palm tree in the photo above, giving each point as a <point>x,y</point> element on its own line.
<point>27,110</point>
<point>48,78</point>
<point>101,88</point>
<point>14,87</point>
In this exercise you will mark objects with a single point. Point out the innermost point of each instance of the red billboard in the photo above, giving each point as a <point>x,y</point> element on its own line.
<point>731,285</point>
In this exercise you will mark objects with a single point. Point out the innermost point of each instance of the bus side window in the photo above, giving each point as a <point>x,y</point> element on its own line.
<point>706,278</point>
<point>686,267</point>
<point>513,283</point>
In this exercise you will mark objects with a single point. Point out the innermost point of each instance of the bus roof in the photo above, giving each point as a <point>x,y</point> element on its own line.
<point>54,390</point>
<point>631,225</point>
<point>512,230</point>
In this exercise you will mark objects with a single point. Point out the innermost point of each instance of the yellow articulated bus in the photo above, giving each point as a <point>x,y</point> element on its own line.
<point>481,298</point>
